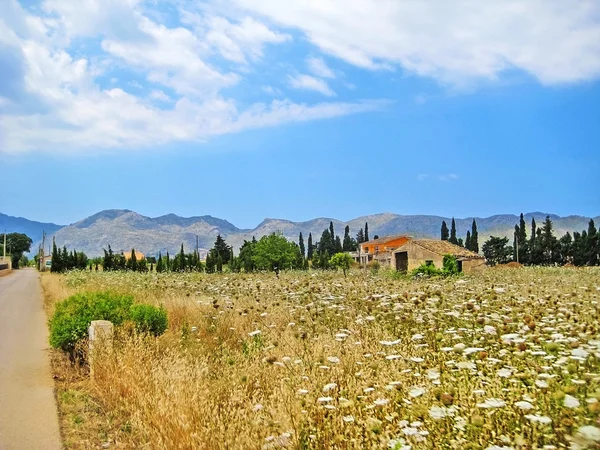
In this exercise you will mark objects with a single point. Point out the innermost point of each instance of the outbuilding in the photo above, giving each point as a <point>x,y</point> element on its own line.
<point>416,252</point>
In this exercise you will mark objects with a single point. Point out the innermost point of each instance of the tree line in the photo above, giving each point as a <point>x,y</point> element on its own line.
<point>63,260</point>
<point>542,247</point>
<point>471,241</point>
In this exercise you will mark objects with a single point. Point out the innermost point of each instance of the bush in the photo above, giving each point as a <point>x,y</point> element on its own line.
<point>428,270</point>
<point>149,319</point>
<point>374,266</point>
<point>450,265</point>
<point>73,316</point>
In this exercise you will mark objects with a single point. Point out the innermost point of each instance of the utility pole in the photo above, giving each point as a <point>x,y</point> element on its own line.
<point>41,257</point>
<point>4,256</point>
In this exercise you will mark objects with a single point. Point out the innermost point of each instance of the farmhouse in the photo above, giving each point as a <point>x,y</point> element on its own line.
<point>380,249</point>
<point>416,252</point>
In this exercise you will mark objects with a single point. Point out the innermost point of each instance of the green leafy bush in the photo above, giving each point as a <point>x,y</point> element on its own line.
<point>428,270</point>
<point>73,316</point>
<point>450,265</point>
<point>149,319</point>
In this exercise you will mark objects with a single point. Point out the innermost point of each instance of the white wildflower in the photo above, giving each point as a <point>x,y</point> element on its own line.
<point>333,359</point>
<point>541,419</point>
<point>328,387</point>
<point>324,399</point>
<point>302,391</point>
<point>488,329</point>
<point>416,391</point>
<point>348,419</point>
<point>504,373</point>
<point>492,403</point>
<point>571,402</point>
<point>388,343</point>
<point>525,406</point>
<point>437,412</point>
<point>381,401</point>
<point>254,333</point>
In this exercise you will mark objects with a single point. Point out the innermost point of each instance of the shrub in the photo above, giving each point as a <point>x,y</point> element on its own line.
<point>450,265</point>
<point>374,266</point>
<point>428,270</point>
<point>149,319</point>
<point>73,316</point>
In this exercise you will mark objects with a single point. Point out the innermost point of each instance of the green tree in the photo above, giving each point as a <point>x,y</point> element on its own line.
<point>274,252</point>
<point>349,244</point>
<point>453,238</point>
<point>468,241</point>
<point>301,245</point>
<point>56,262</point>
<point>132,261</point>
<point>341,261</point>
<point>548,243</point>
<point>565,246</point>
<point>496,251</point>
<point>445,234</point>
<point>159,263</point>
<point>592,250</point>
<point>310,249</point>
<point>182,261</point>
<point>331,232</point>
<point>366,232</point>
<point>326,245</point>
<point>522,240</point>
<point>360,237</point>
<point>246,254</point>
<point>534,256</point>
<point>16,245</point>
<point>338,245</point>
<point>474,237</point>
<point>222,249</point>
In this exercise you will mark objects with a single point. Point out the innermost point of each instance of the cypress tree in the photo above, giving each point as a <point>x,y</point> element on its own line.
<point>360,236</point>
<point>309,255</point>
<point>55,258</point>
<point>366,232</point>
<point>348,245</point>
<point>301,245</point>
<point>331,232</point>
<point>468,241</point>
<point>474,237</point>
<point>592,249</point>
<point>159,263</point>
<point>453,239</point>
<point>168,262</point>
<point>182,259</point>
<point>445,233</point>
<point>533,250</point>
<point>338,245</point>
<point>460,242</point>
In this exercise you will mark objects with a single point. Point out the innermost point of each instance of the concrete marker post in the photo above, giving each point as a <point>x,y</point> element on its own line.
<point>100,335</point>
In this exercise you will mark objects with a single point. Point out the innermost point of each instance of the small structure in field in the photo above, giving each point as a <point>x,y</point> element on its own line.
<point>138,255</point>
<point>380,249</point>
<point>416,252</point>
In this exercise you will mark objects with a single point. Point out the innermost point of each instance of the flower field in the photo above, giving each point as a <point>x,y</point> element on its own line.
<point>505,359</point>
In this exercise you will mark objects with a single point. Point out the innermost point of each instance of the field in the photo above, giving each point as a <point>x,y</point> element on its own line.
<point>505,359</point>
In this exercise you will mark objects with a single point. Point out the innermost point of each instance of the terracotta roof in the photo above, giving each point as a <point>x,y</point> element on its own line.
<point>444,248</point>
<point>384,239</point>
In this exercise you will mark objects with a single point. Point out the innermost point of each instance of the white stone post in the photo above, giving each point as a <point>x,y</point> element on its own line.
<point>100,341</point>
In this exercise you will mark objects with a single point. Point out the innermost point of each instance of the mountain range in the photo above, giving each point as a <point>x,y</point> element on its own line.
<point>125,229</point>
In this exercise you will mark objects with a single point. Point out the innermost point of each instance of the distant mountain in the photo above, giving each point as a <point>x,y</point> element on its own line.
<point>29,227</point>
<point>125,229</point>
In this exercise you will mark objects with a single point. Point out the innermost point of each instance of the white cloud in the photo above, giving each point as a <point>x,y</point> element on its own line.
<point>448,177</point>
<point>306,82</point>
<point>318,67</point>
<point>159,95</point>
<point>454,42</point>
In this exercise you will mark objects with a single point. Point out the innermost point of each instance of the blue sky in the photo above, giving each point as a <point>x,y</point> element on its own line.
<point>246,109</point>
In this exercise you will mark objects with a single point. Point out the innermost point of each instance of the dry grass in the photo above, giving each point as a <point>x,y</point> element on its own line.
<point>312,360</point>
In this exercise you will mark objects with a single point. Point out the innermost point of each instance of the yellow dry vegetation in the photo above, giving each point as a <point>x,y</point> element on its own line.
<point>503,359</point>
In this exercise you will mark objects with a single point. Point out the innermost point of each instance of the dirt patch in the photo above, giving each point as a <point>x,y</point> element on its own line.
<point>510,265</point>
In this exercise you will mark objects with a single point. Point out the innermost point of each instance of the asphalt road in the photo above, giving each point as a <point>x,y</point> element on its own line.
<point>28,416</point>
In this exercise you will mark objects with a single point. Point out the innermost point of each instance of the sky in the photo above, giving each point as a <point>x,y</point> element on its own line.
<point>248,109</point>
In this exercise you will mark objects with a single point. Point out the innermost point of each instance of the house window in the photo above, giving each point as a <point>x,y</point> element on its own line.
<point>429,262</point>
<point>377,249</point>
<point>366,249</point>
